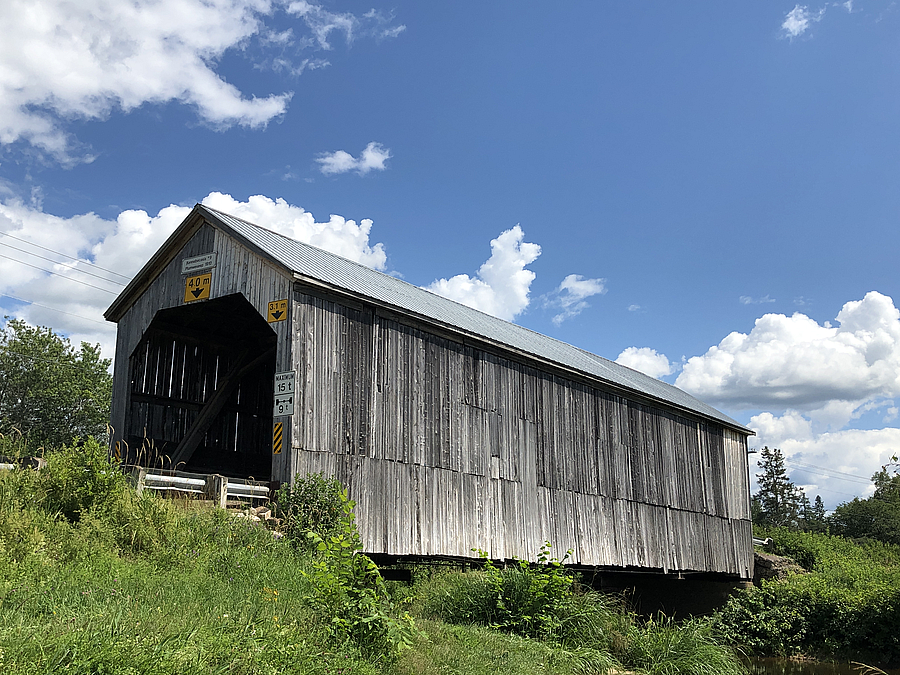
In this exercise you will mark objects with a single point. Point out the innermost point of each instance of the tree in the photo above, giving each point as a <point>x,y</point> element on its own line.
<point>814,518</point>
<point>877,517</point>
<point>778,502</point>
<point>51,392</point>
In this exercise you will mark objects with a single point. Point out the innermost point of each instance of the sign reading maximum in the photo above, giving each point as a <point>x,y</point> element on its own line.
<point>284,394</point>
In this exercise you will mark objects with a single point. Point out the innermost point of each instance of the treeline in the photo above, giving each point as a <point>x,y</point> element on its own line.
<point>780,503</point>
<point>846,603</point>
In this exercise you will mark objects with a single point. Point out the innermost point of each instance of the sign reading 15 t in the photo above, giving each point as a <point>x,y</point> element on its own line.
<point>284,394</point>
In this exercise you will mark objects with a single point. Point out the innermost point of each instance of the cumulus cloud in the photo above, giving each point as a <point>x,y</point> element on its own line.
<point>571,296</point>
<point>344,237</point>
<point>646,360</point>
<point>798,20</point>
<point>63,61</point>
<point>793,362</point>
<point>115,250</point>
<point>836,464</point>
<point>502,284</point>
<point>371,158</point>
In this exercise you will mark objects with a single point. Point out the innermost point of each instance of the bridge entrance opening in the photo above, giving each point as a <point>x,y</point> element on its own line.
<point>201,390</point>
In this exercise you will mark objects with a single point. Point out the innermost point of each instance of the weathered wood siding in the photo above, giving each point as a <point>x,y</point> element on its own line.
<point>447,446</point>
<point>238,270</point>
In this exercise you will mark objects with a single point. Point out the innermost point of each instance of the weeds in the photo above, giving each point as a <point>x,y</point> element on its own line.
<point>543,601</point>
<point>847,605</point>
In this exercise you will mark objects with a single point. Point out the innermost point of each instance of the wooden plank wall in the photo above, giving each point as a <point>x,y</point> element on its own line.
<point>238,270</point>
<point>447,447</point>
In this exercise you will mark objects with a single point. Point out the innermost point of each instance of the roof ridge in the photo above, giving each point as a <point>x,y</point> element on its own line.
<point>434,307</point>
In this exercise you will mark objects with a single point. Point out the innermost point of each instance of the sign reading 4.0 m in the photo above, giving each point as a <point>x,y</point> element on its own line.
<point>197,288</point>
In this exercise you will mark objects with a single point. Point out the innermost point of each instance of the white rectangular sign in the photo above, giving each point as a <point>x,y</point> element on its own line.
<point>198,262</point>
<point>284,393</point>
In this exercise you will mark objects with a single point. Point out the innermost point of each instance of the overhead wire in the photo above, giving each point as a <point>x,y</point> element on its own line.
<point>66,265</point>
<point>22,262</point>
<point>55,309</point>
<point>64,255</point>
<point>828,473</point>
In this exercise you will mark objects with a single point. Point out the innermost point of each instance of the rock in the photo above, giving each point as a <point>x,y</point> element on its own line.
<point>768,566</point>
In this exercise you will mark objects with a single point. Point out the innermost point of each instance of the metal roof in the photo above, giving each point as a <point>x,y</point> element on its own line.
<point>333,270</point>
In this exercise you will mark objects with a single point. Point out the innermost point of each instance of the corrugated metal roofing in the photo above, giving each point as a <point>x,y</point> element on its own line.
<point>334,270</point>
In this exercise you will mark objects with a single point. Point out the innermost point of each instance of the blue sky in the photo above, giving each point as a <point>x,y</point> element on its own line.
<point>707,192</point>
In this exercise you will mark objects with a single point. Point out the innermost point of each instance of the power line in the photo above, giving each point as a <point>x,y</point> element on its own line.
<point>56,262</point>
<point>64,255</point>
<point>78,281</point>
<point>37,304</point>
<point>828,473</point>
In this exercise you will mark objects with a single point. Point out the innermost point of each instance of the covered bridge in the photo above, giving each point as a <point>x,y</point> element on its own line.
<point>243,352</point>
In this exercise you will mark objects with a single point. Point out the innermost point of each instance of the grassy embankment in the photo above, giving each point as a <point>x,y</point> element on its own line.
<point>847,605</point>
<point>97,579</point>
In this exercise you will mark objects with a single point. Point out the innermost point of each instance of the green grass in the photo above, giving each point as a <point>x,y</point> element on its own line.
<point>95,579</point>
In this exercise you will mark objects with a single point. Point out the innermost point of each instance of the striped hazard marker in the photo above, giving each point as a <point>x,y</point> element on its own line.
<point>277,438</point>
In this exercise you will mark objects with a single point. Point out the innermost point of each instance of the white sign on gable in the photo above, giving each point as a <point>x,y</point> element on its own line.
<point>198,262</point>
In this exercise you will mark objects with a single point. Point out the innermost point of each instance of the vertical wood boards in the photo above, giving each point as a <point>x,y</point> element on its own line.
<point>468,449</point>
<point>185,371</point>
<point>447,445</point>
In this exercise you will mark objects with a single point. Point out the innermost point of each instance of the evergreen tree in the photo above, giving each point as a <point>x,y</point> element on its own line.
<point>780,502</point>
<point>814,519</point>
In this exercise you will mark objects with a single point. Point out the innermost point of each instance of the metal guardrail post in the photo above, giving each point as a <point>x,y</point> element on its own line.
<point>138,473</point>
<point>217,489</point>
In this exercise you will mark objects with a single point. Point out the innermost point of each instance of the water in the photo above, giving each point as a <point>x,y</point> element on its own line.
<point>787,667</point>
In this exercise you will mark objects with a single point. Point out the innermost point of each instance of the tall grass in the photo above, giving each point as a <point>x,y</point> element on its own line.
<point>95,578</point>
<point>595,630</point>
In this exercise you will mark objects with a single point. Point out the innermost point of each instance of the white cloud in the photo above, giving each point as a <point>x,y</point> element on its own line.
<point>63,61</point>
<point>502,283</point>
<point>123,246</point>
<point>634,308</point>
<point>793,362</point>
<point>371,158</point>
<point>835,464</point>
<point>646,360</point>
<point>571,294</point>
<point>747,300</point>
<point>338,235</point>
<point>797,21</point>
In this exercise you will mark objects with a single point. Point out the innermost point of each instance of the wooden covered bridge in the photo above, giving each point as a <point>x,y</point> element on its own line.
<point>243,352</point>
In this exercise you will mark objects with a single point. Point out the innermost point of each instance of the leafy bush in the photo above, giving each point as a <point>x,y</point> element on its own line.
<point>78,478</point>
<point>524,599</point>
<point>847,606</point>
<point>318,517</point>
<point>312,503</point>
<point>543,601</point>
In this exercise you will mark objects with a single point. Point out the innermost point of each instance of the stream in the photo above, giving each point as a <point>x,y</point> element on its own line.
<point>773,666</point>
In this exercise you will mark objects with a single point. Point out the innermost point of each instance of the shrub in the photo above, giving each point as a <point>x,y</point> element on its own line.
<point>312,503</point>
<point>524,599</point>
<point>847,606</point>
<point>79,477</point>
<point>350,584</point>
